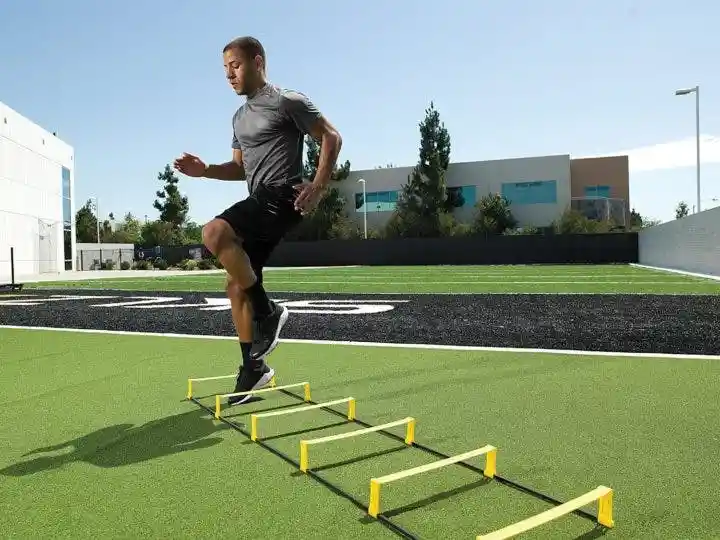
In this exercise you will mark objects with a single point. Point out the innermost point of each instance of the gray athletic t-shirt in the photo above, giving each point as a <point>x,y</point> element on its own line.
<point>270,129</point>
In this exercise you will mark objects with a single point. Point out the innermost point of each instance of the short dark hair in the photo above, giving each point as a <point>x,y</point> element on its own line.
<point>248,45</point>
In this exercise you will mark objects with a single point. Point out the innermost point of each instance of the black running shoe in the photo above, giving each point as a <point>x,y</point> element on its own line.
<point>250,379</point>
<point>266,331</point>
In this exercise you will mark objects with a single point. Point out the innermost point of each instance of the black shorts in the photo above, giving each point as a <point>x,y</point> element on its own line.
<point>261,221</point>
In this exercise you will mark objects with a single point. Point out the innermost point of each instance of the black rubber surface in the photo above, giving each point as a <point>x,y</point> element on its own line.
<point>627,323</point>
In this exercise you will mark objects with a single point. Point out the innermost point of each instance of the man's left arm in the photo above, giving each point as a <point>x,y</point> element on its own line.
<point>312,122</point>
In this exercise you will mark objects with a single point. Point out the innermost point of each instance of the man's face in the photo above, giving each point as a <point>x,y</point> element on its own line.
<point>242,73</point>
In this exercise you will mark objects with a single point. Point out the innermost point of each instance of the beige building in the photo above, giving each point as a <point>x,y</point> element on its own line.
<point>539,188</point>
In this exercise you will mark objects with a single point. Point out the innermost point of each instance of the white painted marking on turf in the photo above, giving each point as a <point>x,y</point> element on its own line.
<point>468,348</point>
<point>56,298</point>
<point>141,301</point>
<point>674,271</point>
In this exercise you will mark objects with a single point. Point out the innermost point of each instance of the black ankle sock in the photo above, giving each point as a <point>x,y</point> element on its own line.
<point>248,362</point>
<point>259,300</point>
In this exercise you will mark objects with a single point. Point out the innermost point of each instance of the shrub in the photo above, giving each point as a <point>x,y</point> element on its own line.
<point>161,264</point>
<point>205,264</point>
<point>125,265</point>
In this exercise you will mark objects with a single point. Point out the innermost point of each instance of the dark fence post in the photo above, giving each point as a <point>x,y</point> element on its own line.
<point>12,266</point>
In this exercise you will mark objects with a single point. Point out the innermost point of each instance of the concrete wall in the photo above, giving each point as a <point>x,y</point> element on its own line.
<point>474,179</point>
<point>691,244</point>
<point>33,210</point>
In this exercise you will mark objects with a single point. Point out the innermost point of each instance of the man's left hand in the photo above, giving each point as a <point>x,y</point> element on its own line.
<point>309,195</point>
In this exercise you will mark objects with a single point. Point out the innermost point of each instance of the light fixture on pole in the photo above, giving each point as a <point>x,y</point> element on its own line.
<point>362,181</point>
<point>97,217</point>
<point>683,92</point>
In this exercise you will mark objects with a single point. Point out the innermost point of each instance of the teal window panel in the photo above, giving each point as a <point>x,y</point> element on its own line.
<point>66,183</point>
<point>602,192</point>
<point>535,192</point>
<point>377,201</point>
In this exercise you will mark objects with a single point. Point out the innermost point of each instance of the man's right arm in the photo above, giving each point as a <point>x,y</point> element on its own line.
<point>231,170</point>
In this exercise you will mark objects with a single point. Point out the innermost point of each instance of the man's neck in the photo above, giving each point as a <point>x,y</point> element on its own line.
<point>259,87</point>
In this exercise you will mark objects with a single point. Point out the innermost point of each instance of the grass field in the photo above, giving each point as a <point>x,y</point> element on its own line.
<point>98,441</point>
<point>433,279</point>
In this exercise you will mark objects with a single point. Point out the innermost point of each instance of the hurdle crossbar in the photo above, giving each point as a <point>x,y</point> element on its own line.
<point>216,378</point>
<point>602,494</point>
<point>254,417</point>
<point>271,388</point>
<point>489,451</point>
<point>409,437</point>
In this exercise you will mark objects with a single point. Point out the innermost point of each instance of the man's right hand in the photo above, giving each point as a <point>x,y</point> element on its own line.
<point>190,165</point>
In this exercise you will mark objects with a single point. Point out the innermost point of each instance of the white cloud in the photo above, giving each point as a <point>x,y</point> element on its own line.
<point>672,155</point>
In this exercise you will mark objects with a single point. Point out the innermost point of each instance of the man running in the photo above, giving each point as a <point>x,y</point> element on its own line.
<point>267,152</point>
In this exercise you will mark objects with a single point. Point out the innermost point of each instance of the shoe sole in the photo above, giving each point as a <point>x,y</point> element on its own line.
<point>276,339</point>
<point>265,379</point>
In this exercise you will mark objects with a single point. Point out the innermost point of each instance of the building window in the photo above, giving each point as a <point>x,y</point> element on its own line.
<point>377,201</point>
<point>538,192</point>
<point>67,218</point>
<point>462,196</point>
<point>597,192</point>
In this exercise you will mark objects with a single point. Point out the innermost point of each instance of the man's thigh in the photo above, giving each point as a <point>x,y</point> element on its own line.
<point>261,221</point>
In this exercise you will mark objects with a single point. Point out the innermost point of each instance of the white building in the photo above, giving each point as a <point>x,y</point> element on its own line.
<point>539,188</point>
<point>36,198</point>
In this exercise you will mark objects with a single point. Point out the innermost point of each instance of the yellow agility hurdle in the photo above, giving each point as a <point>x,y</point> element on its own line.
<point>254,417</point>
<point>489,451</point>
<point>271,388</point>
<point>601,493</point>
<point>409,437</point>
<point>217,378</point>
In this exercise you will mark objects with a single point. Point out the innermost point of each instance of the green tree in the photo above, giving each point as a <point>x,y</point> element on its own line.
<point>574,222</point>
<point>86,224</point>
<point>681,210</point>
<point>128,231</point>
<point>493,215</point>
<point>158,233</point>
<point>328,220</point>
<point>173,206</point>
<point>192,233</point>
<point>636,220</point>
<point>424,198</point>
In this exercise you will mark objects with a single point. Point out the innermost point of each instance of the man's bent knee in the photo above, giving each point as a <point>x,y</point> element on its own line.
<point>217,234</point>
<point>235,290</point>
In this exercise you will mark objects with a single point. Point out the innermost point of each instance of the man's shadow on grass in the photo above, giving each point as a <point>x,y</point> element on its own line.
<point>126,444</point>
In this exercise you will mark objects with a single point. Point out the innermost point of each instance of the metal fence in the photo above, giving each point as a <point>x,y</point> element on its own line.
<point>103,259</point>
<point>602,209</point>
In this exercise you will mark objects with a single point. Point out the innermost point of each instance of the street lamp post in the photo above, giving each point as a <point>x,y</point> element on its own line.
<point>362,181</point>
<point>97,217</point>
<point>683,92</point>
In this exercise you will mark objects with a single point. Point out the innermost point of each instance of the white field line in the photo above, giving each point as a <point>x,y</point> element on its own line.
<point>674,271</point>
<point>468,348</point>
<point>498,282</point>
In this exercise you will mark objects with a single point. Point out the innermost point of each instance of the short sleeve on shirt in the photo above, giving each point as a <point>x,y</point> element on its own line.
<point>300,109</point>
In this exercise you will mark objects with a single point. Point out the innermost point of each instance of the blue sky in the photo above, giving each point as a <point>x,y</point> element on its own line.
<point>133,84</point>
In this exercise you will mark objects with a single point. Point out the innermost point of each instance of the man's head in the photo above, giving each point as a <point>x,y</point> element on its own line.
<point>244,60</point>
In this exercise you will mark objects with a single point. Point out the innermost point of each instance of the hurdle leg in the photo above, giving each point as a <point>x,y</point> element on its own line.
<point>351,409</point>
<point>304,457</point>
<point>490,464</point>
<point>410,433</point>
<point>189,394</point>
<point>374,506</point>
<point>605,510</point>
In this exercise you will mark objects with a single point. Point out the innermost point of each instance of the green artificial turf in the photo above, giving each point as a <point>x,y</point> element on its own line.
<point>96,440</point>
<point>425,279</point>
